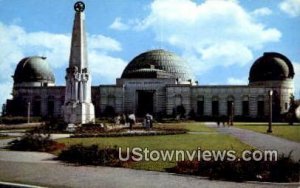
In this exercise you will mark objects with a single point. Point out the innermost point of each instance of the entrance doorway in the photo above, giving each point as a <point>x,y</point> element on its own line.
<point>145,102</point>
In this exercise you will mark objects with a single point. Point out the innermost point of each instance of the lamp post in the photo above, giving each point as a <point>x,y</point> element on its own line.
<point>270,111</point>
<point>28,112</point>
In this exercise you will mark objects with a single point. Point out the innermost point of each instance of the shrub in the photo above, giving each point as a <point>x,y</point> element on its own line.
<point>282,170</point>
<point>35,142</point>
<point>52,125</point>
<point>91,155</point>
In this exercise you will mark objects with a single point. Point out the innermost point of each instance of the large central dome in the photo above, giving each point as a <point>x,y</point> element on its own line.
<point>158,64</point>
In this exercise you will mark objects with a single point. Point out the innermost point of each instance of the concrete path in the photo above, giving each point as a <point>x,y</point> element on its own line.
<point>60,175</point>
<point>261,141</point>
<point>28,157</point>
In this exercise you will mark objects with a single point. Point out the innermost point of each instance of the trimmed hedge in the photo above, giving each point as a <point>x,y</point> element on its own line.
<point>99,132</point>
<point>35,142</point>
<point>282,170</point>
<point>91,155</point>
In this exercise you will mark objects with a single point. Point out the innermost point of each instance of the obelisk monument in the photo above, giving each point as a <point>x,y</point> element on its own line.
<point>78,108</point>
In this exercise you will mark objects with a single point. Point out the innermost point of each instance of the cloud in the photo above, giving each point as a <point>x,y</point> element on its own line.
<point>119,25</point>
<point>16,43</point>
<point>213,33</point>
<point>113,67</point>
<point>290,7</point>
<point>237,81</point>
<point>103,43</point>
<point>262,12</point>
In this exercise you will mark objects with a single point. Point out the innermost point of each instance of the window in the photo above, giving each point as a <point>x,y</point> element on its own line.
<point>230,106</point>
<point>215,106</point>
<point>200,106</point>
<point>51,105</point>
<point>36,107</point>
<point>260,106</point>
<point>245,107</point>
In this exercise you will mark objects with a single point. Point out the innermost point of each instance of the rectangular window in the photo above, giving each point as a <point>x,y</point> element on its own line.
<point>286,106</point>
<point>36,106</point>
<point>245,108</point>
<point>260,108</point>
<point>229,108</point>
<point>50,108</point>
<point>215,108</point>
<point>200,108</point>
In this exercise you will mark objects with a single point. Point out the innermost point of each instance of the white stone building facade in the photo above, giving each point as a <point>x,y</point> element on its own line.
<point>152,83</point>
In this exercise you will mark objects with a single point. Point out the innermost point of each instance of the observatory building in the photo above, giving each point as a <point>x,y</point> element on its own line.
<point>157,82</point>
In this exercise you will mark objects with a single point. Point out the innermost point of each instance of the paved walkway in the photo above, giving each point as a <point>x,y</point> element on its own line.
<point>260,141</point>
<point>61,175</point>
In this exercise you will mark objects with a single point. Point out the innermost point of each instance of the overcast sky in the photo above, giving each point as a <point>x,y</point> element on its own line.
<point>219,39</point>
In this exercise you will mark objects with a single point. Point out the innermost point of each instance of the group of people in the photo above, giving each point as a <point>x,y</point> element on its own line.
<point>130,120</point>
<point>224,119</point>
<point>125,119</point>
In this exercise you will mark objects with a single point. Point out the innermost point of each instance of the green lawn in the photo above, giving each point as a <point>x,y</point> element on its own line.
<point>290,132</point>
<point>213,141</point>
<point>190,126</point>
<point>5,137</point>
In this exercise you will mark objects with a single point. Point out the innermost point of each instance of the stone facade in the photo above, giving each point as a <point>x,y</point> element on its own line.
<point>166,96</point>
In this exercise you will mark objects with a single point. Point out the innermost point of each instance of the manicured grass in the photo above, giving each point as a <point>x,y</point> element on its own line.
<point>213,141</point>
<point>290,132</point>
<point>5,137</point>
<point>2,137</point>
<point>190,126</point>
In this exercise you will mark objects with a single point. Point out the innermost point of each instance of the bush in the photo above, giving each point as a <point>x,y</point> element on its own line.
<point>91,155</point>
<point>52,125</point>
<point>35,142</point>
<point>282,170</point>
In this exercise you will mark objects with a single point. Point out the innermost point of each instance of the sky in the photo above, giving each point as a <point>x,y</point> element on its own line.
<point>219,39</point>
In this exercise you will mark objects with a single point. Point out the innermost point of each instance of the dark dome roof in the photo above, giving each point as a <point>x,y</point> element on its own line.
<point>33,69</point>
<point>271,67</point>
<point>158,64</point>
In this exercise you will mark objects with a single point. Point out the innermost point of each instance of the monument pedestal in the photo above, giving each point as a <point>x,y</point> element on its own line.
<point>79,113</point>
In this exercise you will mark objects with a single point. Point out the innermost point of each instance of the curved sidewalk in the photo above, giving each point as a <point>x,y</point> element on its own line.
<point>261,141</point>
<point>61,175</point>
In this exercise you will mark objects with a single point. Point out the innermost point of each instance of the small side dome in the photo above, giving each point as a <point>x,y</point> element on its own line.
<point>158,64</point>
<point>33,69</point>
<point>271,67</point>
